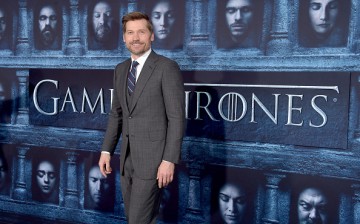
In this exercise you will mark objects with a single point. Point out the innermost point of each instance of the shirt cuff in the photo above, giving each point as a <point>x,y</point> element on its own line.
<point>105,152</point>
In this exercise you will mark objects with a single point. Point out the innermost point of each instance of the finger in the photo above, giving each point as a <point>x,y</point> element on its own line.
<point>108,168</point>
<point>160,184</point>
<point>102,170</point>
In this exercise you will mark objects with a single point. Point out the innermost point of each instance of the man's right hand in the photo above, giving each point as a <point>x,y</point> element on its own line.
<point>104,164</point>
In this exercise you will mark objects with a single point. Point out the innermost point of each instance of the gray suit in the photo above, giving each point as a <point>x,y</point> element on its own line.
<point>151,121</point>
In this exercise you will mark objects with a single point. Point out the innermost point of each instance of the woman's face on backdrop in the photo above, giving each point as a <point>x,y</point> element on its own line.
<point>163,19</point>
<point>323,15</point>
<point>232,203</point>
<point>45,177</point>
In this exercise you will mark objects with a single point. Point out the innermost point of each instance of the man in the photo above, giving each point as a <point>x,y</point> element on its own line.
<point>103,26</point>
<point>99,190</point>
<point>48,28</point>
<point>239,23</point>
<point>312,207</point>
<point>150,116</point>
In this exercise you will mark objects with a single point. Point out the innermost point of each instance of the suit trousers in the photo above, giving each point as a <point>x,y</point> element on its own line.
<point>141,197</point>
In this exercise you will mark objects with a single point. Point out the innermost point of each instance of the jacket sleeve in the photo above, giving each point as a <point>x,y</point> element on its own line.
<point>114,126</point>
<point>174,100</point>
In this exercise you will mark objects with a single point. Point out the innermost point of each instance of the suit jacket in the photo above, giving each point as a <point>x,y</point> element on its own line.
<point>153,120</point>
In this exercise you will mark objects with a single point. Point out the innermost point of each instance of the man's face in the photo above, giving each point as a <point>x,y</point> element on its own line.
<point>3,173</point>
<point>163,19</point>
<point>102,21</point>
<point>48,22</point>
<point>239,17</point>
<point>137,37</point>
<point>45,177</point>
<point>98,185</point>
<point>312,205</point>
<point>2,24</point>
<point>323,15</point>
<point>232,203</point>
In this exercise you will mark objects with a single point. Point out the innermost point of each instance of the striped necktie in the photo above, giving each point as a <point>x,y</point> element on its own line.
<point>132,77</point>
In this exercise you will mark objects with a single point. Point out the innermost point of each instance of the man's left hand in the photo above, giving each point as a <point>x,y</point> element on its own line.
<point>165,173</point>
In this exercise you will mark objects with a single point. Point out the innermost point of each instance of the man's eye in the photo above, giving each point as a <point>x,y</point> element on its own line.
<point>108,14</point>
<point>315,6</point>
<point>42,17</point>
<point>305,206</point>
<point>2,21</point>
<point>96,15</point>
<point>246,9</point>
<point>230,10</point>
<point>53,18</point>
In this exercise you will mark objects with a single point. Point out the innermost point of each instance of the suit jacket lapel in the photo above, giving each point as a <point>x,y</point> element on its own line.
<point>123,80</point>
<point>146,72</point>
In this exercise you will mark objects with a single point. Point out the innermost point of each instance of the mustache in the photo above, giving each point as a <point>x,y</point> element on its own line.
<point>47,28</point>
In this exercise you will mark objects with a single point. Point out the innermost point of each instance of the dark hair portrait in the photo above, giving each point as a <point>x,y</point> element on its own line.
<point>323,23</point>
<point>167,17</point>
<point>5,24</point>
<point>313,201</point>
<point>45,181</point>
<point>232,197</point>
<point>239,23</point>
<point>48,25</point>
<point>100,190</point>
<point>103,25</point>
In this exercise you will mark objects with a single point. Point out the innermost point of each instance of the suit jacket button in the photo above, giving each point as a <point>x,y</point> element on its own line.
<point>130,117</point>
<point>127,136</point>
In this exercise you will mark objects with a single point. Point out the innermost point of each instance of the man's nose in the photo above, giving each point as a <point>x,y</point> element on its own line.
<point>98,185</point>
<point>47,21</point>
<point>238,14</point>
<point>101,19</point>
<point>313,214</point>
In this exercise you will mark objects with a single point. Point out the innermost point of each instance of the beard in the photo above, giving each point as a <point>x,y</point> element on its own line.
<point>47,36</point>
<point>102,33</point>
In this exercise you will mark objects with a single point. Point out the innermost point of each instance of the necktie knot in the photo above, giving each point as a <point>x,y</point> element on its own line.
<point>132,77</point>
<point>135,64</point>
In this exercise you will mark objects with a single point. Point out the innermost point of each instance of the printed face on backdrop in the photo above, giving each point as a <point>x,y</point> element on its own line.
<point>45,177</point>
<point>323,15</point>
<point>98,185</point>
<point>137,37</point>
<point>232,203</point>
<point>3,173</point>
<point>102,21</point>
<point>2,24</point>
<point>239,18</point>
<point>48,22</point>
<point>163,19</point>
<point>312,207</point>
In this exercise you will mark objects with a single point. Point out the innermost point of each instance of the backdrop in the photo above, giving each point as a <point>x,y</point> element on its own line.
<point>272,109</point>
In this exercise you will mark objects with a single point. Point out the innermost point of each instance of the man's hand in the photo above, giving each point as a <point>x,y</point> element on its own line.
<point>165,174</point>
<point>104,164</point>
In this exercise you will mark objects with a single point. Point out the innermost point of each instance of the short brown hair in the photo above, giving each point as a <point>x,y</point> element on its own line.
<point>136,16</point>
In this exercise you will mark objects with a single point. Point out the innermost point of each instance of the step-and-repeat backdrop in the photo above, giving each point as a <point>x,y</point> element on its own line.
<point>272,109</point>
